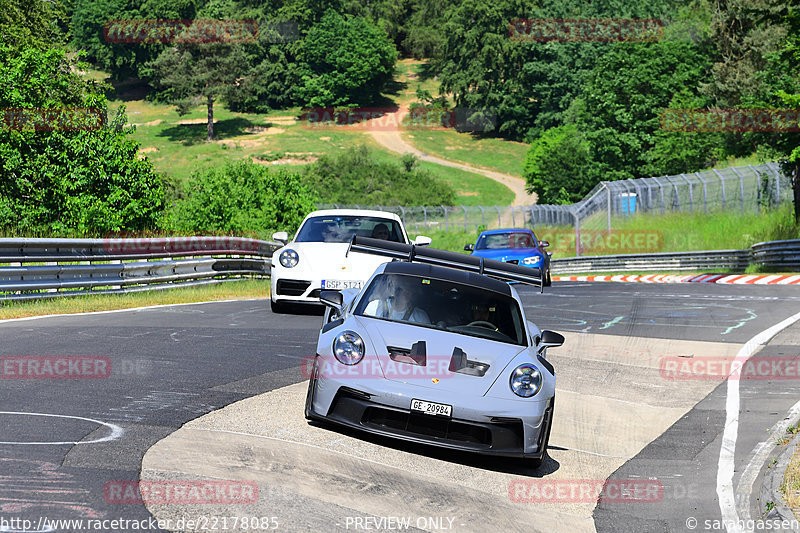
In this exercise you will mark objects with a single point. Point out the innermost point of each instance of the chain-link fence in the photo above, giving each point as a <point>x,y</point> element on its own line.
<point>744,189</point>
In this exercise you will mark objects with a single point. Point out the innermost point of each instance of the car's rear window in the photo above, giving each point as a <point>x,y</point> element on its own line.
<point>443,305</point>
<point>342,228</point>
<point>505,240</point>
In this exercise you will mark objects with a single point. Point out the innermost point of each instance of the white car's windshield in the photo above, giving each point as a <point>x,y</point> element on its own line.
<point>341,228</point>
<point>443,305</point>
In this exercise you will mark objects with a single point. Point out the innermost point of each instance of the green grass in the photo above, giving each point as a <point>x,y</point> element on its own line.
<point>234,290</point>
<point>678,232</point>
<point>499,155</point>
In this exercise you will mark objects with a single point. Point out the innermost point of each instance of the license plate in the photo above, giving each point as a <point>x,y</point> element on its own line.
<point>430,408</point>
<point>338,284</point>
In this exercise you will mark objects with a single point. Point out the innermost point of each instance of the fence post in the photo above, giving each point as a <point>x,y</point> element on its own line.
<point>445,217</point>
<point>499,221</point>
<point>425,214</point>
<point>465,217</point>
<point>705,192</point>
<point>691,199</point>
<point>577,233</point>
<point>380,208</point>
<point>722,181</point>
<point>741,188</point>
<point>403,215</point>
<point>608,205</point>
<point>513,222</point>
<point>483,216</point>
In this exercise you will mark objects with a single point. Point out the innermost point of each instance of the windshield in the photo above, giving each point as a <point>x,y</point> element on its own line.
<point>444,305</point>
<point>340,228</point>
<point>505,240</point>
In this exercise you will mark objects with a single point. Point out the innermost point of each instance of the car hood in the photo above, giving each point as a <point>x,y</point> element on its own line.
<point>507,254</point>
<point>328,260</point>
<point>439,349</point>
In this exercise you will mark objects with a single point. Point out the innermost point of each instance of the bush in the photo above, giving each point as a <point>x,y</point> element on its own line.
<point>356,177</point>
<point>557,165</point>
<point>243,198</point>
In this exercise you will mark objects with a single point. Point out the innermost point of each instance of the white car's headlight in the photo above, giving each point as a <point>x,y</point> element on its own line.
<point>348,348</point>
<point>532,260</point>
<point>289,258</point>
<point>526,380</point>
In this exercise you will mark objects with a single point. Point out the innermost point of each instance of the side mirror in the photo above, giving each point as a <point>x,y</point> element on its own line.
<point>469,247</point>
<point>280,236</point>
<point>544,244</point>
<point>332,298</point>
<point>550,339</point>
<point>422,240</point>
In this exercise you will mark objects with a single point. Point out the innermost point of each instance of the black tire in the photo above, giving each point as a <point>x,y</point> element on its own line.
<point>547,280</point>
<point>277,307</point>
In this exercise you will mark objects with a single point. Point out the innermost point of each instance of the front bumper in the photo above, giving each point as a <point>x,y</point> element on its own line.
<point>492,429</point>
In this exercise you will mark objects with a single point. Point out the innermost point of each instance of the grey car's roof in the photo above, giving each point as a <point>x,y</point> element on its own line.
<point>448,274</point>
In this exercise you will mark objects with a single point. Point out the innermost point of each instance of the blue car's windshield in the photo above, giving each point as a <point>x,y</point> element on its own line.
<point>444,305</point>
<point>495,241</point>
<point>341,228</point>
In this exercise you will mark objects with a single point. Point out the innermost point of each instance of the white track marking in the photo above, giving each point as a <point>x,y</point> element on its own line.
<point>116,431</point>
<point>727,500</point>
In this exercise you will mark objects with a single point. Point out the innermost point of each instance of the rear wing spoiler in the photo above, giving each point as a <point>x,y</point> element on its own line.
<point>432,256</point>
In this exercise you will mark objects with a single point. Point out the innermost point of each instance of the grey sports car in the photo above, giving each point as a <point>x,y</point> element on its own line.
<point>435,349</point>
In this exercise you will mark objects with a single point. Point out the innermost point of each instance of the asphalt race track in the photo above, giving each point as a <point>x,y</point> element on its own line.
<point>64,442</point>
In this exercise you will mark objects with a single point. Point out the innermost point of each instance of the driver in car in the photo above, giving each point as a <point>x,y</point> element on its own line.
<point>482,313</point>
<point>398,302</point>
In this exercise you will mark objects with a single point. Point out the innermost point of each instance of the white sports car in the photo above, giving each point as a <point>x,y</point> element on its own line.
<point>434,350</point>
<point>315,259</point>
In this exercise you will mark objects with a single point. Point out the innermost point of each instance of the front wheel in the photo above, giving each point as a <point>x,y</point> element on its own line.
<point>547,280</point>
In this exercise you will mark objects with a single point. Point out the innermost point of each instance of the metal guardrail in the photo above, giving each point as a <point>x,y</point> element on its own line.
<point>45,268</point>
<point>777,254</point>
<point>774,255</point>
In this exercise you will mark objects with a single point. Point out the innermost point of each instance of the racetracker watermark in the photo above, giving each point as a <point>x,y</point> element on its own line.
<point>617,241</point>
<point>53,119</point>
<point>586,491</point>
<point>55,367</point>
<point>731,120</point>
<point>219,492</point>
<point>433,367</point>
<point>721,368</point>
<point>394,119</point>
<point>131,246</point>
<point>599,30</point>
<point>199,31</point>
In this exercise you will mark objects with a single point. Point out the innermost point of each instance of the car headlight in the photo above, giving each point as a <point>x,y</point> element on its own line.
<point>526,380</point>
<point>289,258</point>
<point>348,348</point>
<point>532,260</point>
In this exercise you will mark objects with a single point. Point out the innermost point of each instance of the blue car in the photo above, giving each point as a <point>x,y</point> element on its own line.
<point>517,246</point>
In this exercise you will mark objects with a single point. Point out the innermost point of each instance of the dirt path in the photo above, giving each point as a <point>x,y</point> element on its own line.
<point>392,139</point>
